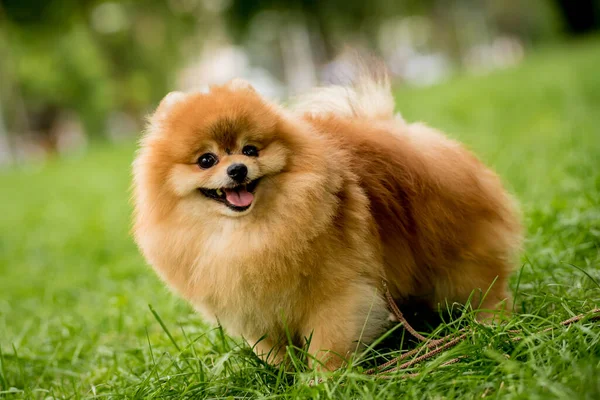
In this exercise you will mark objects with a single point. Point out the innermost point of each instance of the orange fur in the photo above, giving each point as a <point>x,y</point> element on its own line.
<point>347,197</point>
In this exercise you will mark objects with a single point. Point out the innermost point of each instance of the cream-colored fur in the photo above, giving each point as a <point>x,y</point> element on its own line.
<point>368,98</point>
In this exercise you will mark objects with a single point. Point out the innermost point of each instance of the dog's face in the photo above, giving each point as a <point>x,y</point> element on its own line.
<point>215,153</point>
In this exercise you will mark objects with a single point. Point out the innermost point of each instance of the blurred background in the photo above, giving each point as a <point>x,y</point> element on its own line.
<point>74,73</point>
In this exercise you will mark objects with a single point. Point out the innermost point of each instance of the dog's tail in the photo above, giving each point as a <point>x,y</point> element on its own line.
<point>367,96</point>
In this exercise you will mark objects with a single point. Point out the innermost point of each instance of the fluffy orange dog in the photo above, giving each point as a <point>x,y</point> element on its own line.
<point>268,219</point>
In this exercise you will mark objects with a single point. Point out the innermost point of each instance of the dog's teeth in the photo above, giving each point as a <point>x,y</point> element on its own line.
<point>219,192</point>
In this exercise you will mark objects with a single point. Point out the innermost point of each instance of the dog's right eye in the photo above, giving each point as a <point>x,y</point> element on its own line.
<point>207,160</point>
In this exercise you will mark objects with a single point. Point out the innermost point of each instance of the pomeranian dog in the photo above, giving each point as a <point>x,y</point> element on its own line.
<point>285,222</point>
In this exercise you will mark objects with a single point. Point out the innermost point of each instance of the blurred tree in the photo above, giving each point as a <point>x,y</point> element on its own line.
<point>335,21</point>
<point>330,19</point>
<point>580,16</point>
<point>89,56</point>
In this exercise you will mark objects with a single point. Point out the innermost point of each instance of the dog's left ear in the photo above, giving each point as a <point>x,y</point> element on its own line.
<point>239,84</point>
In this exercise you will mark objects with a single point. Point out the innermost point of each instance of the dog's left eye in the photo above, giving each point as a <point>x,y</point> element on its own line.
<point>250,151</point>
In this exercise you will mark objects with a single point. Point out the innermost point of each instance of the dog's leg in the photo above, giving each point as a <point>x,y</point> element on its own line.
<point>486,287</point>
<point>268,350</point>
<point>336,327</point>
<point>496,305</point>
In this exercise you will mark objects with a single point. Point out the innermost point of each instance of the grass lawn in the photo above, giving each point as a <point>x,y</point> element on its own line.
<point>74,292</point>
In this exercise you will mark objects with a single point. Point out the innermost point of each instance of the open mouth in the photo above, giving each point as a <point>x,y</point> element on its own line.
<point>238,198</point>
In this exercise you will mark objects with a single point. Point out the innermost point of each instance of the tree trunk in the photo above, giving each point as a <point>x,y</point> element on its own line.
<point>5,149</point>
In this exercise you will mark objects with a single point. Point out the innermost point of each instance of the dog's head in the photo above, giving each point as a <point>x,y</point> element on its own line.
<point>212,152</point>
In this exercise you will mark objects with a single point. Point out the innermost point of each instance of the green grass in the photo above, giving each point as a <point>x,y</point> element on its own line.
<point>74,292</point>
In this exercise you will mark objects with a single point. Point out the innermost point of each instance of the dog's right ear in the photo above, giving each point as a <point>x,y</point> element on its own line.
<point>168,102</point>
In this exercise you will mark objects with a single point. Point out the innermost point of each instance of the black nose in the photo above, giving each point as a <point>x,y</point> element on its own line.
<point>237,172</point>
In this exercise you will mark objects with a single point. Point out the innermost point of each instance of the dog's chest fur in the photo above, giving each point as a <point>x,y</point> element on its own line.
<point>250,279</point>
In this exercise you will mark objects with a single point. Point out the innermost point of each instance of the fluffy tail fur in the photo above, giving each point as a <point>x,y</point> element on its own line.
<point>369,96</point>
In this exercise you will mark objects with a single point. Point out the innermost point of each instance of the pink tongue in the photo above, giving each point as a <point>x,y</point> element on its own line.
<point>239,198</point>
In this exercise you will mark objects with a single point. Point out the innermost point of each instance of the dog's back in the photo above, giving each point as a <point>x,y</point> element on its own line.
<point>447,225</point>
